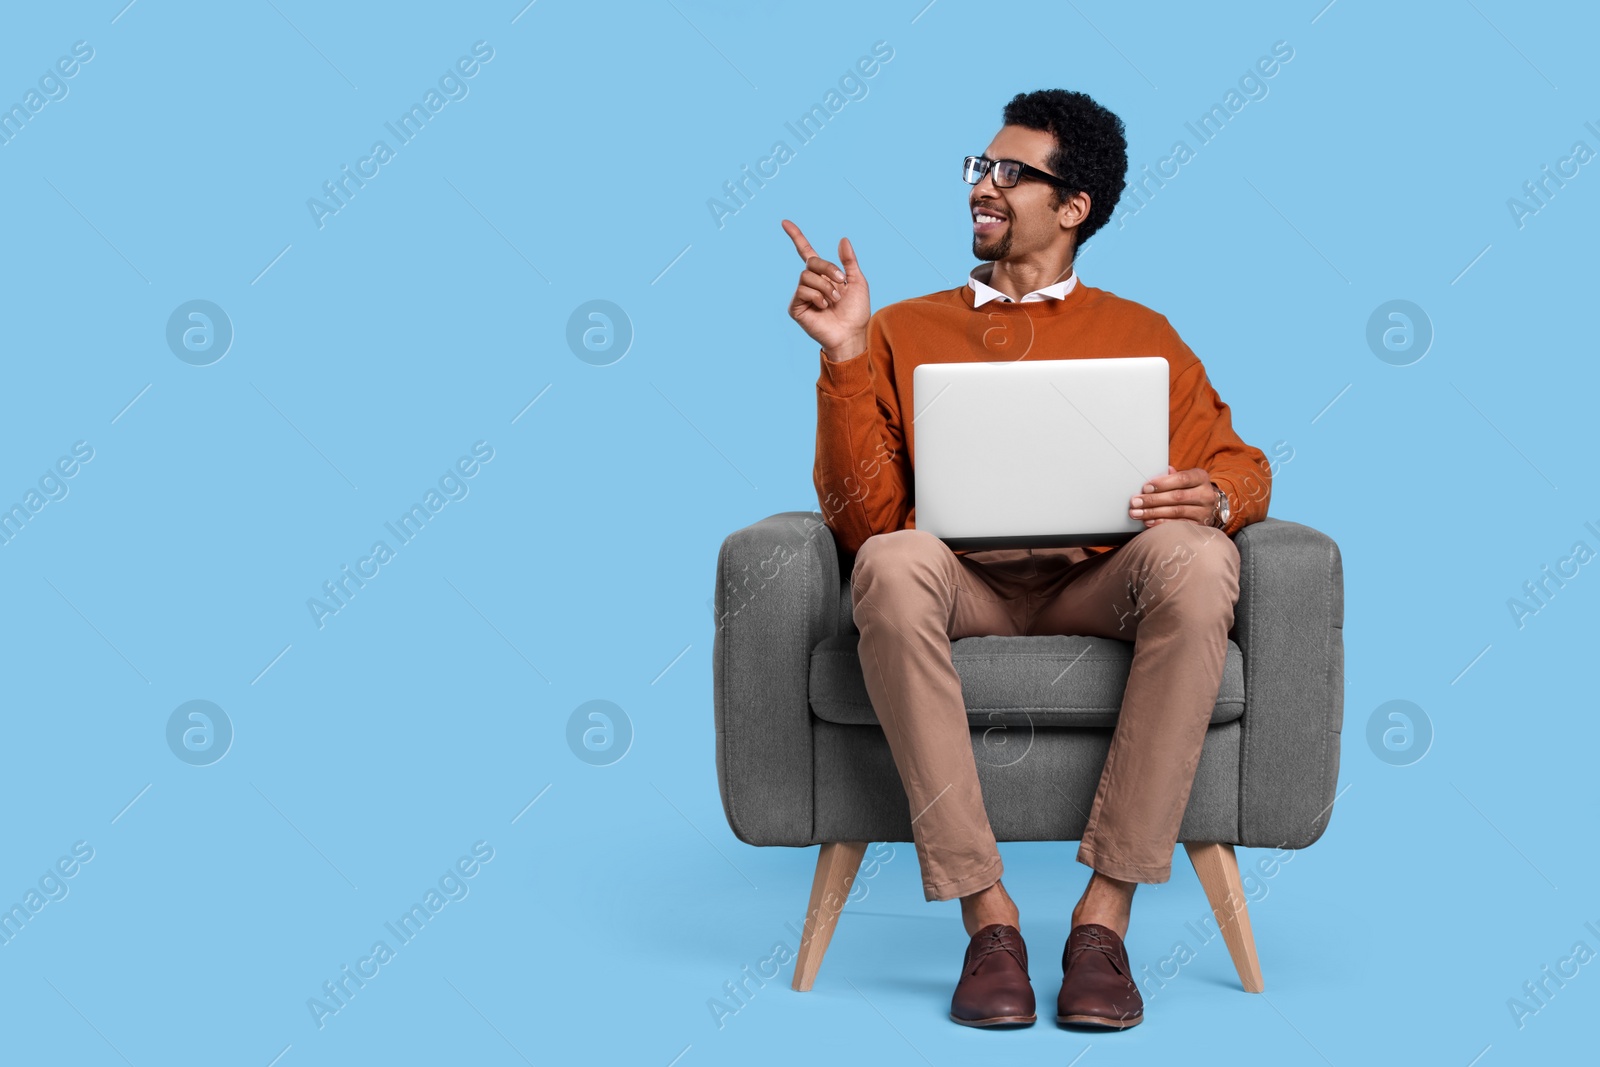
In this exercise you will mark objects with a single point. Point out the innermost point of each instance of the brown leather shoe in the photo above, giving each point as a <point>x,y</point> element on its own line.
<point>994,989</point>
<point>1097,987</point>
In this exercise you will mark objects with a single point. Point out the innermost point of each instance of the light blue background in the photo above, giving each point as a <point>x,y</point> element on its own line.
<point>428,313</point>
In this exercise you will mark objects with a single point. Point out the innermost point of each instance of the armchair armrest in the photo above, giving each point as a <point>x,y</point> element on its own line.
<point>777,596</point>
<point>1289,624</point>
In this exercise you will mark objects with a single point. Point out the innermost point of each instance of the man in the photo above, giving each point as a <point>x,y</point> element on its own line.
<point>1046,183</point>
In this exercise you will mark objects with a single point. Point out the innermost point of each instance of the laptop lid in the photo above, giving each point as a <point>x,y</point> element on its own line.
<point>1037,453</point>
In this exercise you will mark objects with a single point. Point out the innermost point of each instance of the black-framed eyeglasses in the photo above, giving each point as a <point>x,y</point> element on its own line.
<point>1006,172</point>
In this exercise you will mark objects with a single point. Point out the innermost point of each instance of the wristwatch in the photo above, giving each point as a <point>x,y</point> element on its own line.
<point>1220,511</point>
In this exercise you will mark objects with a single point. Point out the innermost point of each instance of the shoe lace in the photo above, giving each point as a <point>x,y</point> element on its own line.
<point>1093,941</point>
<point>996,941</point>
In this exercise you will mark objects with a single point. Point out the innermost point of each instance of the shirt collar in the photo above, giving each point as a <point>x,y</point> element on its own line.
<point>983,292</point>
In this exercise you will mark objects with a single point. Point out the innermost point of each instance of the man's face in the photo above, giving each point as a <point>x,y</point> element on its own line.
<point>1026,221</point>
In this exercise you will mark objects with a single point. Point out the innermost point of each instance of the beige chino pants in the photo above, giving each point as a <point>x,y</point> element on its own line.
<point>1171,591</point>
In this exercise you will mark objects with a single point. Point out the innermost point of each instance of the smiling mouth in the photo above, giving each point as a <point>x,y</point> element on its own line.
<point>983,222</point>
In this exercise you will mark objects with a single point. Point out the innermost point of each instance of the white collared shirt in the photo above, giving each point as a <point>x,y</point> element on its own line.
<point>983,292</point>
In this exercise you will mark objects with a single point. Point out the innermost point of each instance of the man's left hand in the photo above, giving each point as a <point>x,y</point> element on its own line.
<point>1175,495</point>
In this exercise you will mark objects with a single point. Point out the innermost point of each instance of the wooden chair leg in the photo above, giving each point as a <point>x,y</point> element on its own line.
<point>837,864</point>
<point>1218,869</point>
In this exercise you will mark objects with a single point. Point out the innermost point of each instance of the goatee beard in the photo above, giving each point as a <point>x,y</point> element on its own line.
<point>998,250</point>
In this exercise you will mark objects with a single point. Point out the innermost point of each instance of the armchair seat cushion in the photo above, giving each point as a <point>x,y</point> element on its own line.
<point>1044,680</point>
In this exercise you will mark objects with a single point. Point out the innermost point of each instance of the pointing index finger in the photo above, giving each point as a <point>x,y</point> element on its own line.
<point>801,245</point>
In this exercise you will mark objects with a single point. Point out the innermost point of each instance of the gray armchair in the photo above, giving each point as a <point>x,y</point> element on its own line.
<point>801,760</point>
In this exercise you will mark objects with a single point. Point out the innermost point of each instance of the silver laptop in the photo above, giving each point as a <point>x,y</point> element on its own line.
<point>1037,453</point>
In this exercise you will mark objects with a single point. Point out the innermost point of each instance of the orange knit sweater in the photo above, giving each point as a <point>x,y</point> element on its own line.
<point>866,451</point>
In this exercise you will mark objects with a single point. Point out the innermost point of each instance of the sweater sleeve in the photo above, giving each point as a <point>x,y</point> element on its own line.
<point>862,473</point>
<point>1202,435</point>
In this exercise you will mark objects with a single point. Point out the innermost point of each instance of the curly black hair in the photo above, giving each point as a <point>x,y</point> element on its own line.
<point>1091,152</point>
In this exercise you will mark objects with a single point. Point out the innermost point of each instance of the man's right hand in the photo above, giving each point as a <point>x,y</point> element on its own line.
<point>830,304</point>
